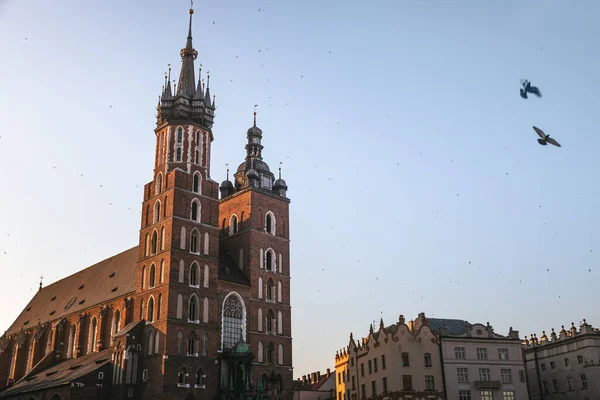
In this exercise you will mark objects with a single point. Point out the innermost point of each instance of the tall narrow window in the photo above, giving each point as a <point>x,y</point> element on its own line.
<point>179,342</point>
<point>200,378</point>
<point>156,342</point>
<point>197,160</point>
<point>150,317</point>
<point>154,242</point>
<point>270,322</point>
<point>179,135</point>
<point>194,274</point>
<point>260,287</point>
<point>71,342</point>
<point>206,243</point>
<point>194,245</point>
<point>427,359</point>
<point>179,154</point>
<point>196,184</point>
<point>162,238</point>
<point>182,238</point>
<point>205,310</point>
<point>179,306</point>
<point>162,271</point>
<point>192,348</point>
<point>144,277</point>
<point>29,362</point>
<point>271,353</point>
<point>13,361</point>
<point>233,225</point>
<point>151,278</point>
<point>156,216</point>
<point>280,355</point>
<point>150,342</point>
<point>181,271</point>
<point>193,309</point>
<point>195,213</point>
<point>147,246</point>
<point>261,352</point>
<point>206,276</point>
<point>159,183</point>
<point>269,223</point>
<point>279,323</point>
<point>197,138</point>
<point>92,335</point>
<point>142,309</point>
<point>279,292</point>
<point>205,344</point>
<point>270,290</point>
<point>181,376</point>
<point>269,265</point>
<point>158,306</point>
<point>260,320</point>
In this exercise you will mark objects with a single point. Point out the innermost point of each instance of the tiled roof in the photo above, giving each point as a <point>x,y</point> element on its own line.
<point>324,379</point>
<point>106,280</point>
<point>454,326</point>
<point>61,374</point>
<point>229,270</point>
<point>128,328</point>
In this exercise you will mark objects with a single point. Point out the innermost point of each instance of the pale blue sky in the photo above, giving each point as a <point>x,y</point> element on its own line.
<point>415,177</point>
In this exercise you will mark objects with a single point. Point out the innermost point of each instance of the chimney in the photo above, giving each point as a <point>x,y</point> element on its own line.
<point>303,378</point>
<point>318,376</point>
<point>314,377</point>
<point>328,372</point>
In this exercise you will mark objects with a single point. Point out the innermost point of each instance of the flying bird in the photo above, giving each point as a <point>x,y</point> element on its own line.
<point>527,88</point>
<point>545,139</point>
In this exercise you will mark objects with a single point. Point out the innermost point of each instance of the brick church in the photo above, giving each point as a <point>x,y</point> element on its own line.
<point>200,309</point>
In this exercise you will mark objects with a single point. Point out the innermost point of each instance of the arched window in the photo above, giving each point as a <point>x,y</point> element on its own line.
<point>234,319</point>
<point>156,216</point>
<point>179,342</point>
<point>233,225</point>
<point>271,353</point>
<point>200,378</point>
<point>71,344</point>
<point>270,260</point>
<point>142,309</point>
<point>181,376</point>
<point>195,210</point>
<point>196,184</point>
<point>147,247</point>
<point>279,323</point>
<point>205,344</point>
<point>279,292</point>
<point>206,243</point>
<point>262,259</point>
<point>270,223</point>
<point>158,306</point>
<point>205,310</point>
<point>193,308</point>
<point>270,290</point>
<point>152,276</point>
<point>179,135</point>
<point>144,277</point>
<point>179,154</point>
<point>260,320</point>
<point>181,271</point>
<point>156,342</point>
<point>162,238</point>
<point>194,245</point>
<point>92,336</point>
<point>192,344</point>
<point>150,342</point>
<point>150,315</point>
<point>280,355</point>
<point>197,161</point>
<point>159,183</point>
<point>270,322</point>
<point>182,238</point>
<point>162,271</point>
<point>154,242</point>
<point>29,362</point>
<point>206,276</point>
<point>179,306</point>
<point>194,274</point>
<point>261,352</point>
<point>116,324</point>
<point>260,287</point>
<point>49,341</point>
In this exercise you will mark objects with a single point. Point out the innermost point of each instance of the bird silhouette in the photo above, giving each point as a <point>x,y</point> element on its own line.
<point>545,139</point>
<point>527,88</point>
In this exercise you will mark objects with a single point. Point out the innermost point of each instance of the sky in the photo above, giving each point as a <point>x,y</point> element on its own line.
<point>415,178</point>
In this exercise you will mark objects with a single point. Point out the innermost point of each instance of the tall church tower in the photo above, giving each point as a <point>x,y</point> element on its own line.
<point>213,276</point>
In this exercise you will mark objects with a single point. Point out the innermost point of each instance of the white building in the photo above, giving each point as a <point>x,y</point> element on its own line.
<point>564,366</point>
<point>479,364</point>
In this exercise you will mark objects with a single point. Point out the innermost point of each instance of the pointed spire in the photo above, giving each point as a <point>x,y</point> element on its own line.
<point>280,163</point>
<point>199,92</point>
<point>187,82</point>
<point>207,94</point>
<point>168,95</point>
<point>381,324</point>
<point>227,165</point>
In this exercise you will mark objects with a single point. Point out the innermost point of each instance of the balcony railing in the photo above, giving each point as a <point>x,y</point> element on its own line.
<point>488,385</point>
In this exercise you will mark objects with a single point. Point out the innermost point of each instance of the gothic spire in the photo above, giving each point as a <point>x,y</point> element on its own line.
<point>187,81</point>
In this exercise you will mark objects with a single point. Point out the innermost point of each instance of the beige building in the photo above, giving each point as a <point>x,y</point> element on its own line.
<point>565,365</point>
<point>401,361</point>
<point>478,363</point>
<point>315,386</point>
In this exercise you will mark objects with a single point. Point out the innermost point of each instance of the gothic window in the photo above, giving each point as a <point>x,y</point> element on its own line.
<point>270,322</point>
<point>195,210</point>
<point>182,238</point>
<point>144,277</point>
<point>151,277</point>
<point>92,336</point>
<point>179,342</point>
<point>142,309</point>
<point>270,290</point>
<point>270,260</point>
<point>162,238</point>
<point>279,323</point>
<point>280,355</point>
<point>205,310</point>
<point>179,135</point>
<point>262,259</point>
<point>71,342</point>
<point>270,223</point>
<point>49,342</point>
<point>233,320</point>
<point>158,306</point>
<point>162,271</point>
<point>156,216</point>
<point>194,274</point>
<point>261,352</point>
<point>233,225</point>
<point>192,344</point>
<point>206,276</point>
<point>200,377</point>
<point>279,292</point>
<point>271,353</point>
<point>13,361</point>
<point>194,245</point>
<point>150,315</point>
<point>205,344</point>
<point>193,308</point>
<point>181,376</point>
<point>196,184</point>
<point>150,342</point>
<point>197,160</point>
<point>147,246</point>
<point>179,154</point>
<point>260,287</point>
<point>260,320</point>
<point>154,242</point>
<point>159,180</point>
<point>280,263</point>
<point>156,342</point>
<point>179,306</point>
<point>28,363</point>
<point>206,243</point>
<point>116,322</point>
<point>181,271</point>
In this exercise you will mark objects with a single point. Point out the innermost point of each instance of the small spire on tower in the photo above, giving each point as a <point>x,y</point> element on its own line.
<point>41,279</point>
<point>256,105</point>
<point>280,163</point>
<point>227,166</point>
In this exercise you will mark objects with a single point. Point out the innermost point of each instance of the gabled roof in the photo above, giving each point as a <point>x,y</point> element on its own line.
<point>106,280</point>
<point>61,374</point>
<point>229,270</point>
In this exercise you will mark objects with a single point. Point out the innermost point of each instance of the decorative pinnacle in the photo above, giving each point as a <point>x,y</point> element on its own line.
<point>41,279</point>
<point>227,165</point>
<point>256,105</point>
<point>280,163</point>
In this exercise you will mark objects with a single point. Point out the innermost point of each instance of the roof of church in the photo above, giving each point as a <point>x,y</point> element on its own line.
<point>229,270</point>
<point>61,374</point>
<point>106,280</point>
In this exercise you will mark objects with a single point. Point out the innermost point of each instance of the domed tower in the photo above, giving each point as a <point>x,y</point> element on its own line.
<point>255,259</point>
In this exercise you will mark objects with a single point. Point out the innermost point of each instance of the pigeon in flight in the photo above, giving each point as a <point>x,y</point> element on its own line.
<point>527,88</point>
<point>545,139</point>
